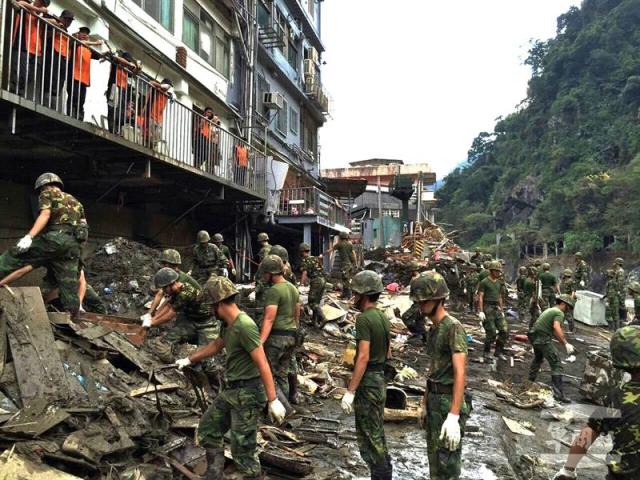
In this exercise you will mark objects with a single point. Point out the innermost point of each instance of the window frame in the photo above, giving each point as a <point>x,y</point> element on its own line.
<point>284,119</point>
<point>171,27</point>
<point>293,111</point>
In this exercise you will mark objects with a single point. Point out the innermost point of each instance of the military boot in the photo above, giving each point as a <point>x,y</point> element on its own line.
<point>293,388</point>
<point>215,463</point>
<point>486,353</point>
<point>556,386</point>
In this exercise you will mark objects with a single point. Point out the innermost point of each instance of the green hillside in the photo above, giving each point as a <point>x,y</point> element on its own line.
<point>565,165</point>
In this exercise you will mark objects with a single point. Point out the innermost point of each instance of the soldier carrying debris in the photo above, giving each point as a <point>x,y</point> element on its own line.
<point>205,258</point>
<point>347,262</point>
<point>225,261</point>
<point>620,416</point>
<point>444,410</point>
<point>311,274</point>
<point>568,287</point>
<point>249,385</point>
<point>53,241</point>
<point>367,390</point>
<point>491,306</point>
<point>612,301</point>
<point>581,271</point>
<point>548,325</point>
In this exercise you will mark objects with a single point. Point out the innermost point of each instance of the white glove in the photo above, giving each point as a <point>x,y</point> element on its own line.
<point>277,411</point>
<point>582,284</point>
<point>183,362</point>
<point>482,316</point>
<point>569,348</point>
<point>225,272</point>
<point>450,433</point>
<point>146,320</point>
<point>233,272</point>
<point>347,402</point>
<point>81,309</point>
<point>25,243</point>
<point>422,417</point>
<point>565,474</point>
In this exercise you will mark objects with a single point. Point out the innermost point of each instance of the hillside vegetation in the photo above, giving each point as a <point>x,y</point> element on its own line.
<point>566,165</point>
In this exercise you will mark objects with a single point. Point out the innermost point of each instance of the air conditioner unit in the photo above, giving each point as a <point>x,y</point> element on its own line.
<point>309,67</point>
<point>313,55</point>
<point>309,84</point>
<point>274,100</point>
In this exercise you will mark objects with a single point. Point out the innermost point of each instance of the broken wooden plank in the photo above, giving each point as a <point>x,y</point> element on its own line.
<point>59,318</point>
<point>167,387</point>
<point>39,370</point>
<point>96,331</point>
<point>396,415</point>
<point>288,463</point>
<point>15,466</point>
<point>35,419</point>
<point>130,328</point>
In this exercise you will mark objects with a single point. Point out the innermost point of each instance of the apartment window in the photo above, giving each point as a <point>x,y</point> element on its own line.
<point>311,8</point>
<point>264,15</point>
<point>281,121</point>
<point>281,26</point>
<point>263,87</point>
<point>160,10</point>
<point>294,121</point>
<point>204,36</point>
<point>292,56</point>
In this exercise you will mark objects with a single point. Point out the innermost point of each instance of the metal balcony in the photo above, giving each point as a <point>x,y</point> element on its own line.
<point>311,205</point>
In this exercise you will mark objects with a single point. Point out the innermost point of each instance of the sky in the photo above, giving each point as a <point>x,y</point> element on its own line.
<point>417,80</point>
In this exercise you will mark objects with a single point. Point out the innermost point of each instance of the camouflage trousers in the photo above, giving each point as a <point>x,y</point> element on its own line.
<point>471,298</point>
<point>346,273</point>
<point>187,331</point>
<point>280,349</point>
<point>547,299</point>
<point>543,351</point>
<point>368,406</point>
<point>523,306</point>
<point>534,311</point>
<point>316,290</point>
<point>235,410</point>
<point>59,252</point>
<point>571,324</point>
<point>414,320</point>
<point>444,464</point>
<point>261,290</point>
<point>92,302</point>
<point>202,274</point>
<point>612,314</point>
<point>495,325</point>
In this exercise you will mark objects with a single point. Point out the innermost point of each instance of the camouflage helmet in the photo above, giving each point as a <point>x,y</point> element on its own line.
<point>367,282</point>
<point>218,238</point>
<point>568,299</point>
<point>625,348</point>
<point>344,235</point>
<point>619,261</point>
<point>47,179</point>
<point>522,270</point>
<point>496,265</point>
<point>634,287</point>
<point>429,286</point>
<point>486,264</point>
<point>217,289</point>
<point>280,251</point>
<point>171,257</point>
<point>610,272</point>
<point>203,236</point>
<point>414,266</point>
<point>263,237</point>
<point>567,272</point>
<point>546,266</point>
<point>537,262</point>
<point>305,247</point>
<point>579,255</point>
<point>473,266</point>
<point>165,277</point>
<point>272,264</point>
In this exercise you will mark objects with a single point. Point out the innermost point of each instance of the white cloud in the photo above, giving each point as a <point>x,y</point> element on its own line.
<point>419,79</point>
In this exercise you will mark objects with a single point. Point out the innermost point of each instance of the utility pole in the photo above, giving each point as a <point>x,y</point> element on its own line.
<point>382,242</point>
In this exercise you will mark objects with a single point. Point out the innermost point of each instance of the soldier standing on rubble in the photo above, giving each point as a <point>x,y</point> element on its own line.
<point>531,295</point>
<point>548,325</point>
<point>265,248</point>
<point>311,274</point>
<point>620,416</point>
<point>484,273</point>
<point>413,317</point>
<point>621,284</point>
<point>568,287</point>
<point>282,252</point>
<point>476,258</point>
<point>249,385</point>
<point>205,258</point>
<point>347,262</point>
<point>634,291</point>
<point>261,285</point>
<point>491,306</point>
<point>225,260</point>
<point>444,410</point>
<point>194,324</point>
<point>367,390</point>
<point>581,271</point>
<point>612,300</point>
<point>522,300</point>
<point>471,285</point>
<point>549,286</point>
<point>281,320</point>
<point>53,241</point>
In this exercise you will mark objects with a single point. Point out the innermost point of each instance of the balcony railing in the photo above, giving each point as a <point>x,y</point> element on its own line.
<point>45,65</point>
<point>310,201</point>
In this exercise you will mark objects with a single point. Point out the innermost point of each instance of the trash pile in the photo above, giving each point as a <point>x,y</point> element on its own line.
<point>121,271</point>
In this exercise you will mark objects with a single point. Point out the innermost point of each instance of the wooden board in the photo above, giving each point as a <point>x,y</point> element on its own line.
<point>131,329</point>
<point>39,370</point>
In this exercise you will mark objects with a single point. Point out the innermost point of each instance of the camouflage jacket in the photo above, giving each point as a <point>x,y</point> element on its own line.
<point>520,283</point>
<point>288,275</point>
<point>471,281</point>
<point>206,256</point>
<point>65,209</point>
<point>443,341</point>
<point>581,273</point>
<point>189,301</point>
<point>567,286</point>
<point>223,258</point>
<point>264,251</point>
<point>311,266</point>
<point>611,289</point>
<point>621,282</point>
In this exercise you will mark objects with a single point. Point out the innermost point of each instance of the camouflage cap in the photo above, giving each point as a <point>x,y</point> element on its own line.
<point>171,257</point>
<point>414,266</point>
<point>522,269</point>
<point>217,289</point>
<point>568,299</point>
<point>546,266</point>
<point>579,254</point>
<point>48,179</point>
<point>203,236</point>
<point>619,261</point>
<point>272,264</point>
<point>165,277</point>
<point>635,288</point>
<point>344,235</point>
<point>496,265</point>
<point>429,286</point>
<point>280,251</point>
<point>486,264</point>
<point>473,266</point>
<point>218,238</point>
<point>263,237</point>
<point>305,247</point>
<point>625,348</point>
<point>367,283</point>
<point>567,272</point>
<point>537,262</point>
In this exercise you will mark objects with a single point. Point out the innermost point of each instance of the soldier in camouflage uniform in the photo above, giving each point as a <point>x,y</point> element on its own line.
<point>311,273</point>
<point>612,299</point>
<point>581,271</point>
<point>261,286</point>
<point>549,287</point>
<point>444,410</point>
<point>53,241</point>
<point>621,284</point>
<point>531,296</point>
<point>471,285</point>
<point>634,291</point>
<point>484,273</point>
<point>206,258</point>
<point>226,264</point>
<point>568,287</point>
<point>547,326</point>
<point>620,416</point>
<point>522,299</point>
<point>367,390</point>
<point>491,306</point>
<point>194,323</point>
<point>344,248</point>
<point>413,317</point>
<point>283,253</point>
<point>476,258</point>
<point>249,385</point>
